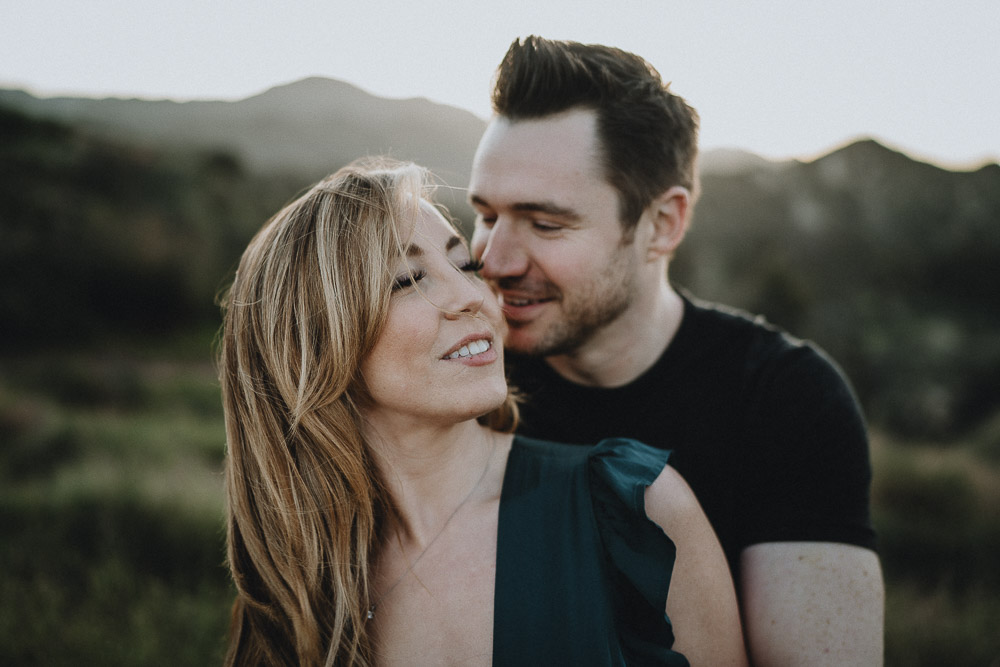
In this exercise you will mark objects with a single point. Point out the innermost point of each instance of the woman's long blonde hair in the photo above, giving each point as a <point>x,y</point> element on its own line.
<point>304,497</point>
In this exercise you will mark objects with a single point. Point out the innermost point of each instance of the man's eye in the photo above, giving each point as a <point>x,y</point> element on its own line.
<point>543,226</point>
<point>407,280</point>
<point>471,265</point>
<point>486,220</point>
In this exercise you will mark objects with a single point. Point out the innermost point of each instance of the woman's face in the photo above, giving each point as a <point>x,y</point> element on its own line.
<point>440,356</point>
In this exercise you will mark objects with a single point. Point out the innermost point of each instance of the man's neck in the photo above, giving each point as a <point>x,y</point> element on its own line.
<point>628,347</point>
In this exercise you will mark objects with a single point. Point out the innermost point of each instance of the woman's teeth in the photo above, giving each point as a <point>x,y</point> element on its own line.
<point>475,347</point>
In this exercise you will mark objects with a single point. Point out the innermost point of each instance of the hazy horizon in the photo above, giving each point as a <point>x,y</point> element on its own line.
<point>785,80</point>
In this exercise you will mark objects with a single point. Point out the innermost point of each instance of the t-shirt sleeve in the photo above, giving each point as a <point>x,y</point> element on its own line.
<point>639,556</point>
<point>808,473</point>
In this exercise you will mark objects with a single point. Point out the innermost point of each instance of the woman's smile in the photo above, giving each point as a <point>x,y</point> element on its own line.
<point>473,349</point>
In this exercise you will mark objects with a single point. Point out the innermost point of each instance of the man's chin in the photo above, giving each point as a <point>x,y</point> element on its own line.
<point>531,343</point>
<point>521,340</point>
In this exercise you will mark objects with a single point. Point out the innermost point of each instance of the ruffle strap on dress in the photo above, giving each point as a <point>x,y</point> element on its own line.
<point>640,556</point>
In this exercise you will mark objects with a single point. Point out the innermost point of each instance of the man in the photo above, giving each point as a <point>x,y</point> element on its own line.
<point>584,185</point>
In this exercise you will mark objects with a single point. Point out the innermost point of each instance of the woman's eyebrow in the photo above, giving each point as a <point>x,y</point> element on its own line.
<point>414,250</point>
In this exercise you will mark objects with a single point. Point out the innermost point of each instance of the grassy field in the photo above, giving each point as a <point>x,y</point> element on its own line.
<point>112,544</point>
<point>112,508</point>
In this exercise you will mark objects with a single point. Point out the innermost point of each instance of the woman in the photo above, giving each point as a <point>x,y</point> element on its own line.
<point>379,509</point>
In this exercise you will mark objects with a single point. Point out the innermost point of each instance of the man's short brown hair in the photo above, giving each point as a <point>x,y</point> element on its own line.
<point>648,136</point>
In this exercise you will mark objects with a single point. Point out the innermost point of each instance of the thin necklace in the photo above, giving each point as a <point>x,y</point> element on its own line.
<point>482,476</point>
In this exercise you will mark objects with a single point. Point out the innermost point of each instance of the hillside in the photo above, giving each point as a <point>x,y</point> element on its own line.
<point>888,262</point>
<point>307,128</point>
<point>127,215</point>
<point>121,220</point>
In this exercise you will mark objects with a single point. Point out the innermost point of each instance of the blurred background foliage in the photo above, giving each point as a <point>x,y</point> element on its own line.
<point>112,254</point>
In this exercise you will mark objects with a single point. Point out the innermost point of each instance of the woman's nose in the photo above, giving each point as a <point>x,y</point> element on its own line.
<point>468,295</point>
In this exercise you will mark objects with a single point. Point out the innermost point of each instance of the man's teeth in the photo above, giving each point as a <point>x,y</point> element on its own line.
<point>475,347</point>
<point>510,301</point>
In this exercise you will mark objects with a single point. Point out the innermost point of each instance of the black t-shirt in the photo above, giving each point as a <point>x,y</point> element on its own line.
<point>764,427</point>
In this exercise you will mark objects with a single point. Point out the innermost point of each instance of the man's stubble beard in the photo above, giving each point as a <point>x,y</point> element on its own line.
<point>603,301</point>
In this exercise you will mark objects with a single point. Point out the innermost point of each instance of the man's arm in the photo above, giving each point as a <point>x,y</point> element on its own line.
<point>812,603</point>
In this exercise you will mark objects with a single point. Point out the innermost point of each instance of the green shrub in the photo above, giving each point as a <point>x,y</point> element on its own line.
<point>111,581</point>
<point>930,628</point>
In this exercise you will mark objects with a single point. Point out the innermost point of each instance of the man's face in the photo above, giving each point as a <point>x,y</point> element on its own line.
<point>548,232</point>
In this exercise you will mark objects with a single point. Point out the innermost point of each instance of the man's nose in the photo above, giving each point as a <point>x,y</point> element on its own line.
<point>501,250</point>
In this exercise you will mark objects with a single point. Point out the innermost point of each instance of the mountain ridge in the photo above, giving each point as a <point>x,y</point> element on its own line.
<point>256,126</point>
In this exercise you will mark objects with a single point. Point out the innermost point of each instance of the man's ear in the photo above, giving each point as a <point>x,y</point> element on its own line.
<point>669,214</point>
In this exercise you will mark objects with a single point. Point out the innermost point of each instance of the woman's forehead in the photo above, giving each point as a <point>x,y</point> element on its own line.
<point>431,230</point>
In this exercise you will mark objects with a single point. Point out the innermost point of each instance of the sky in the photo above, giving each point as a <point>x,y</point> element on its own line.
<point>783,78</point>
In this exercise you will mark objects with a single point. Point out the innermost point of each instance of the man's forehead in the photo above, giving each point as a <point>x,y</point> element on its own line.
<point>529,158</point>
<point>524,186</point>
<point>575,129</point>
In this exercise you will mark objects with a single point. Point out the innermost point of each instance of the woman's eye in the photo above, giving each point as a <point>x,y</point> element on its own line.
<point>407,280</point>
<point>472,265</point>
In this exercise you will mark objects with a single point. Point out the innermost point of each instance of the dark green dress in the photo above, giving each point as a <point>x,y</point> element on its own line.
<point>582,575</point>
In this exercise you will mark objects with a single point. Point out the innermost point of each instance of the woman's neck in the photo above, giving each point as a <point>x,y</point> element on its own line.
<point>432,472</point>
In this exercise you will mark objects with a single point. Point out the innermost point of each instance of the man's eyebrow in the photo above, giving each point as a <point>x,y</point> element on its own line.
<point>546,207</point>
